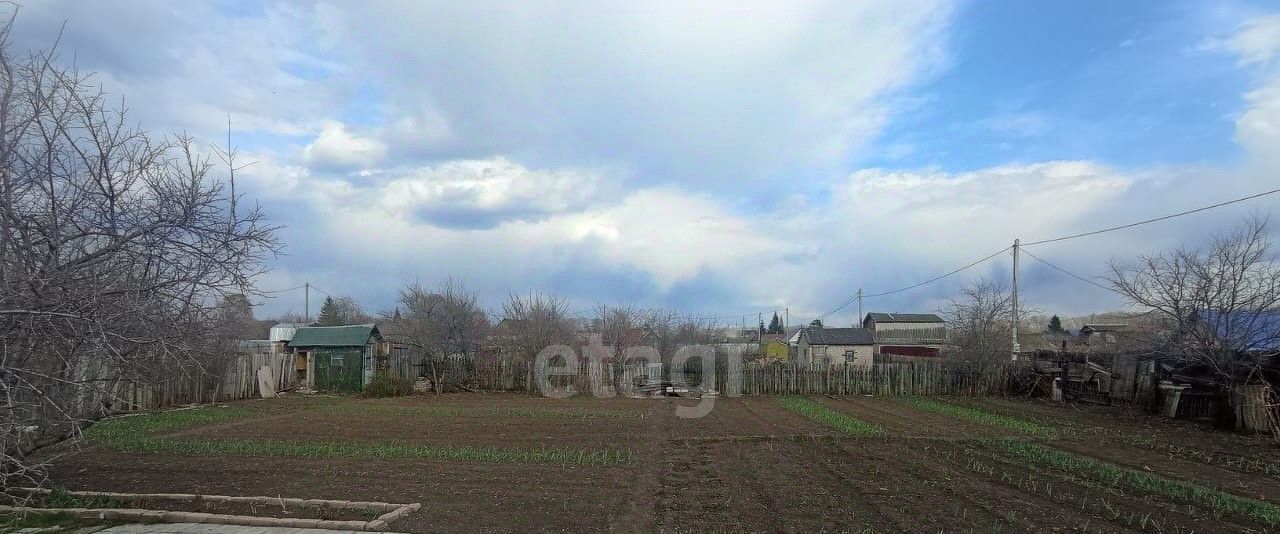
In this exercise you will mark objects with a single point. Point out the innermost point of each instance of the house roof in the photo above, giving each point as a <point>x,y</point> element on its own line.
<point>839,336</point>
<point>1102,327</point>
<point>904,317</point>
<point>1248,330</point>
<point>334,336</point>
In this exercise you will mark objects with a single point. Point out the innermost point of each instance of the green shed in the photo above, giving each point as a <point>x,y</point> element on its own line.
<point>337,358</point>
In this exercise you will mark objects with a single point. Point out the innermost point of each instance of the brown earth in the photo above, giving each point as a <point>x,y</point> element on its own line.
<point>750,465</point>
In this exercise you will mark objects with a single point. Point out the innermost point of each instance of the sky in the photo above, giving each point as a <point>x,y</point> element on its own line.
<point>726,159</point>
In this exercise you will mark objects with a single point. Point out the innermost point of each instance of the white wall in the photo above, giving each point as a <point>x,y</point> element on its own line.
<point>834,354</point>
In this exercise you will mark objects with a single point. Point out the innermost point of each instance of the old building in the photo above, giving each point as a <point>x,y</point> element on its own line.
<point>907,334</point>
<point>338,358</point>
<point>818,346</point>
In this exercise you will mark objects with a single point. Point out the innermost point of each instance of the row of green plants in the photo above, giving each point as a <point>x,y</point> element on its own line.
<point>247,447</point>
<point>428,410</point>
<point>832,418</point>
<point>139,433</point>
<point>981,416</point>
<point>1111,475</point>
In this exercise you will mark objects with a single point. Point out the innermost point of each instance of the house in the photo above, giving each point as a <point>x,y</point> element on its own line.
<point>337,358</point>
<point>907,334</point>
<point>1103,337</point>
<point>817,346</point>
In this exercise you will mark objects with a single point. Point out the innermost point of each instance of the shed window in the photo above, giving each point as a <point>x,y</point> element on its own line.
<point>337,360</point>
<point>848,356</point>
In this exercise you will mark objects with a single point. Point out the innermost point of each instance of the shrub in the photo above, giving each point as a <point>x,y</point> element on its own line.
<point>385,385</point>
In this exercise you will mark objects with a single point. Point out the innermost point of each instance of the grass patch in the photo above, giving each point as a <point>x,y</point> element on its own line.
<point>385,385</point>
<point>829,417</point>
<point>981,416</point>
<point>555,456</point>
<point>63,521</point>
<point>1111,474</point>
<point>135,426</point>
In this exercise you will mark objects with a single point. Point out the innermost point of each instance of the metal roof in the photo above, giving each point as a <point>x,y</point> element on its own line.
<point>334,336</point>
<point>839,336</point>
<point>904,317</point>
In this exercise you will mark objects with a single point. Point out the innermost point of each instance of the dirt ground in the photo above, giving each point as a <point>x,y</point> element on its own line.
<point>750,465</point>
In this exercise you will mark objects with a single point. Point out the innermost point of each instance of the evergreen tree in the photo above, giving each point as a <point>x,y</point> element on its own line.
<point>330,315</point>
<point>1055,325</point>
<point>816,323</point>
<point>775,325</point>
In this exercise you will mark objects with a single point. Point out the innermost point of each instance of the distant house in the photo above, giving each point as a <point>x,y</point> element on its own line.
<point>1103,337</point>
<point>337,358</point>
<point>817,346</point>
<point>1252,332</point>
<point>907,334</point>
<point>1031,343</point>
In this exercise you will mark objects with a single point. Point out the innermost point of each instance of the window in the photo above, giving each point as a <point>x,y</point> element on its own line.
<point>337,360</point>
<point>849,357</point>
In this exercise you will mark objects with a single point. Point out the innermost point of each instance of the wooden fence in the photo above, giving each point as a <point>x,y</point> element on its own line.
<point>939,377</point>
<point>238,380</point>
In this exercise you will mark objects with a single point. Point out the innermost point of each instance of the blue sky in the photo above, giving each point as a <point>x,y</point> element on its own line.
<point>724,158</point>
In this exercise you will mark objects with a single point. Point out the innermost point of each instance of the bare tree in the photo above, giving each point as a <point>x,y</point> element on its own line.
<point>617,326</point>
<point>534,322</point>
<point>980,322</point>
<point>116,248</point>
<point>440,323</point>
<point>1221,301</point>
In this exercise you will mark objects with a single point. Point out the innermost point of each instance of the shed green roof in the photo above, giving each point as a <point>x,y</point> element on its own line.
<point>334,336</point>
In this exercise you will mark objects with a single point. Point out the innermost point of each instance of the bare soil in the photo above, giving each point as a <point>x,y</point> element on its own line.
<point>750,465</point>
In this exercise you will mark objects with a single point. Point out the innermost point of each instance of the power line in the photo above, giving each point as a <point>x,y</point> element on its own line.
<point>1066,272</point>
<point>284,290</point>
<point>924,283</point>
<point>1156,219</point>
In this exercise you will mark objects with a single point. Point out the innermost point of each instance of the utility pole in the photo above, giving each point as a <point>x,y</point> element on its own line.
<point>1014,305</point>
<point>859,307</point>
<point>786,321</point>
<point>306,304</point>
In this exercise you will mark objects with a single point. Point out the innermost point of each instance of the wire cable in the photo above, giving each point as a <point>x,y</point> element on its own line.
<point>272,292</point>
<point>1066,272</point>
<point>1156,219</point>
<point>924,283</point>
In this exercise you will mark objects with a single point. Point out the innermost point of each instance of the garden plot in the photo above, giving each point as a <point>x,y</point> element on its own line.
<point>507,463</point>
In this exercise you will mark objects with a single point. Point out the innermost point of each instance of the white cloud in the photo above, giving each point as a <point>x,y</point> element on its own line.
<point>712,92</point>
<point>482,193</point>
<point>336,147</point>
<point>1256,42</point>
